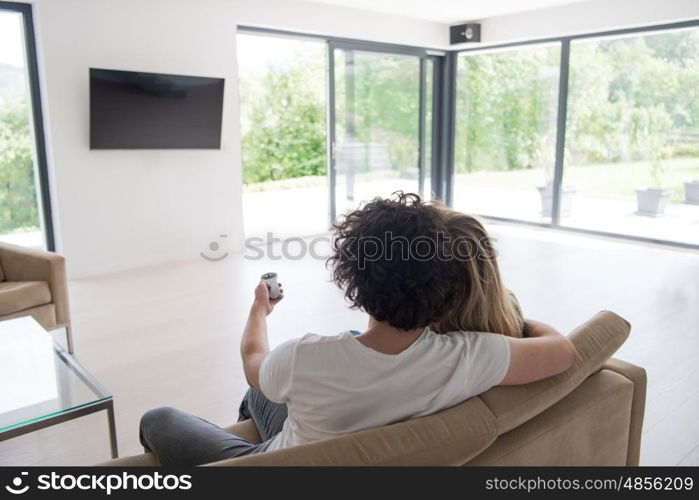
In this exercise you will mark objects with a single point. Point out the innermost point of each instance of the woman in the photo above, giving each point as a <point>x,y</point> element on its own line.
<point>486,305</point>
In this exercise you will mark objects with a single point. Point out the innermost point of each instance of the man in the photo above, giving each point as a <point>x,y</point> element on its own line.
<point>392,261</point>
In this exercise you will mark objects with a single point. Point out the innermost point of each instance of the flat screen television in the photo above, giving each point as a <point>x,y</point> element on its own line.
<point>135,110</point>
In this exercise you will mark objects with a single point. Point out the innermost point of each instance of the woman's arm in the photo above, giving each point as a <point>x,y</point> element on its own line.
<point>543,353</point>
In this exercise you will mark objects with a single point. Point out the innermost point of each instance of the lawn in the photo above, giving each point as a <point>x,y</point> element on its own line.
<point>609,180</point>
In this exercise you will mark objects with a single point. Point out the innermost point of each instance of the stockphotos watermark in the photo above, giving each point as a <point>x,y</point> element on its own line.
<point>104,483</point>
<point>371,248</point>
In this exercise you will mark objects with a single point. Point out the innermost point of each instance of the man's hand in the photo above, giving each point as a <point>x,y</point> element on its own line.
<point>253,345</point>
<point>262,300</point>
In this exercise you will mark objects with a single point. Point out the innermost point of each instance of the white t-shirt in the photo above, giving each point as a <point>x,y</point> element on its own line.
<point>336,385</point>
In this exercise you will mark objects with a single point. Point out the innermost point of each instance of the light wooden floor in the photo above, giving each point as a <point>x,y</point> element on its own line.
<point>169,335</point>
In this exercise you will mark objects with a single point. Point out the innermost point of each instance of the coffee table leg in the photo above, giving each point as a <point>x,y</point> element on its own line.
<point>112,430</point>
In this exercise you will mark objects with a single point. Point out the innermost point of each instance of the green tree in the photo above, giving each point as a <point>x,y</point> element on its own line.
<point>18,206</point>
<point>283,121</point>
<point>506,109</point>
<point>506,102</point>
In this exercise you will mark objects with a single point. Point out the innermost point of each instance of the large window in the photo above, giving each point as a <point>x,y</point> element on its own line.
<point>506,131</point>
<point>632,137</point>
<point>283,130</point>
<point>590,132</point>
<point>627,161</point>
<point>22,166</point>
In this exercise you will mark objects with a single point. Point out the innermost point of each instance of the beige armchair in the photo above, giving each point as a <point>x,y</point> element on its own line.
<point>592,414</point>
<point>33,283</point>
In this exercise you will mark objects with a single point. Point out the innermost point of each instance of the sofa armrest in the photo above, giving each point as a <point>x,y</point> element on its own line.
<point>595,340</point>
<point>24,264</point>
<point>637,375</point>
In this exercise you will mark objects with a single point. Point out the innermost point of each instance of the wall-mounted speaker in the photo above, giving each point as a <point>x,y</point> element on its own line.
<point>464,33</point>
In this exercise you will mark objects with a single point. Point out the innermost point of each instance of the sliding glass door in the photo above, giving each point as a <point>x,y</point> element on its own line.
<point>23,191</point>
<point>378,137</point>
<point>283,135</point>
<point>506,111</point>
<point>327,125</point>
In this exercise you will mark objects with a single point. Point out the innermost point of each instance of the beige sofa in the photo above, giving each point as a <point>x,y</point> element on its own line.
<point>590,415</point>
<point>33,283</point>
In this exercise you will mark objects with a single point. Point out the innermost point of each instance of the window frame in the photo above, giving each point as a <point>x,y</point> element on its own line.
<point>25,11</point>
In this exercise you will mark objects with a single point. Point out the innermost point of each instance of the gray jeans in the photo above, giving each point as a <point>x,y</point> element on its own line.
<point>180,439</point>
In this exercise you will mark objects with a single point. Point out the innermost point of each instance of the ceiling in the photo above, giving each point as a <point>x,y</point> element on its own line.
<point>448,11</point>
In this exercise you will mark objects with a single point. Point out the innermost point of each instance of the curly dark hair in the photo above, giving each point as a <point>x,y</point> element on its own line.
<point>409,290</point>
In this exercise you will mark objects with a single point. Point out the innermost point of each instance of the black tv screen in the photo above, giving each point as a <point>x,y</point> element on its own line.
<point>134,110</point>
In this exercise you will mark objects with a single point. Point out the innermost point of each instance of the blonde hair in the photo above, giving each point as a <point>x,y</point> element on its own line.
<point>485,304</point>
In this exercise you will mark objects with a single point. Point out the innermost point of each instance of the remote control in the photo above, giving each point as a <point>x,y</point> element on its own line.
<point>271,278</point>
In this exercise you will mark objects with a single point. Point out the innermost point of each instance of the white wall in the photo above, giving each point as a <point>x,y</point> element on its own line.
<point>121,209</point>
<point>115,210</point>
<point>583,17</point>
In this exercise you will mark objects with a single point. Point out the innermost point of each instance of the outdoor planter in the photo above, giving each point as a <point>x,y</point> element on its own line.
<point>652,201</point>
<point>546,193</point>
<point>691,192</point>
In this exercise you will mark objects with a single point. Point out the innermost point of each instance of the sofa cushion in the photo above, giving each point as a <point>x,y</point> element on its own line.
<point>19,295</point>
<point>596,341</point>
<point>26,264</point>
<point>246,430</point>
<point>45,315</point>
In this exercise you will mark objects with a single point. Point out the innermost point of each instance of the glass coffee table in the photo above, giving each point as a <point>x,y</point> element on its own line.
<point>42,385</point>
